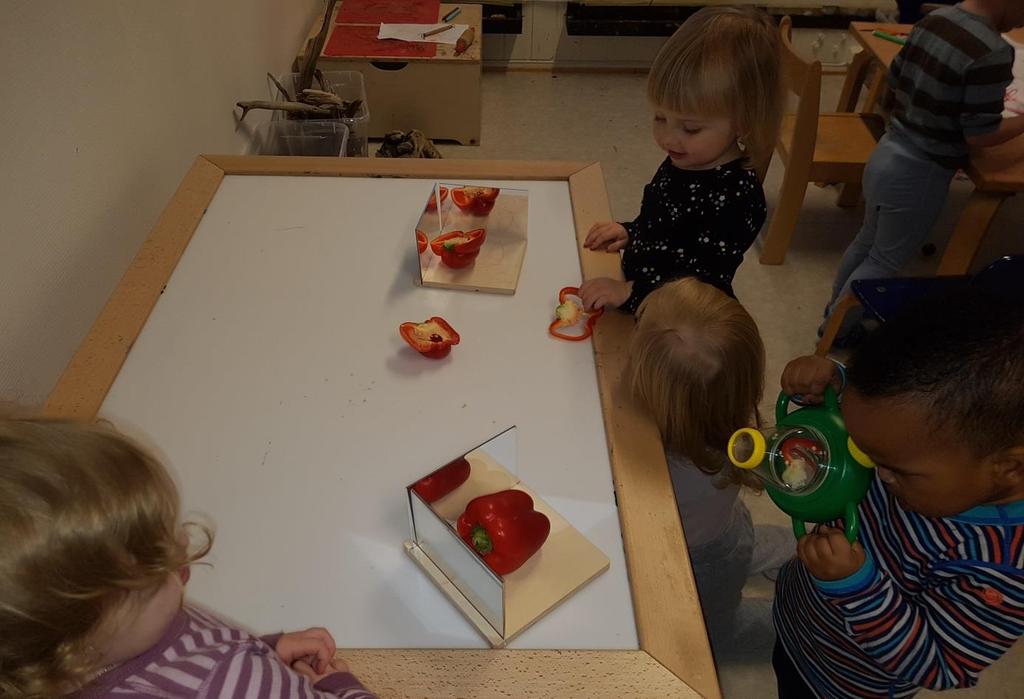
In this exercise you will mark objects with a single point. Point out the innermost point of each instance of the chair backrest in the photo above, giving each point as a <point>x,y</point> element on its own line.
<point>803,79</point>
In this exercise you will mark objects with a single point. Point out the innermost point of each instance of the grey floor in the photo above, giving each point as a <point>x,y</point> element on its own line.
<point>604,117</point>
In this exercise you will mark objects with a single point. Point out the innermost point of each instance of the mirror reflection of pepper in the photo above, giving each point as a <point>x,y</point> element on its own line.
<point>476,200</point>
<point>421,241</point>
<point>432,338</point>
<point>457,249</point>
<point>432,203</point>
<point>443,481</point>
<point>503,529</point>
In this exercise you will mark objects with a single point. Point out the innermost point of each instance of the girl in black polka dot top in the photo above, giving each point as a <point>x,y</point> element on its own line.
<point>717,105</point>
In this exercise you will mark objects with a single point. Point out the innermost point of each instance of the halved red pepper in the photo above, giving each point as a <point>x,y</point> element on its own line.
<point>457,249</point>
<point>432,203</point>
<point>568,313</point>
<point>432,338</point>
<point>443,481</point>
<point>503,529</point>
<point>792,446</point>
<point>477,200</point>
<point>421,241</point>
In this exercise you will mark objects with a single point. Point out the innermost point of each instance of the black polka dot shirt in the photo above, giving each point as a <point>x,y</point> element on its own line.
<point>692,223</point>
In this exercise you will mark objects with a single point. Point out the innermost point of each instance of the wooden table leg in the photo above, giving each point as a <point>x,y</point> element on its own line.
<point>970,229</point>
<point>855,76</point>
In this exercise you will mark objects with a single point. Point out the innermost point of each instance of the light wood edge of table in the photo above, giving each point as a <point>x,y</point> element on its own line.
<point>673,641</point>
<point>395,167</point>
<point>665,602</point>
<point>83,386</point>
<point>515,674</point>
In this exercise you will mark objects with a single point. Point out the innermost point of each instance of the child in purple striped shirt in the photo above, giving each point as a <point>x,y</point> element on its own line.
<point>93,564</point>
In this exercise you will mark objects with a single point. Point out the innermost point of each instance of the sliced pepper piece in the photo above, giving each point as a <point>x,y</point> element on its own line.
<point>457,249</point>
<point>568,313</point>
<point>432,203</point>
<point>421,241</point>
<point>443,481</point>
<point>477,200</point>
<point>432,338</point>
<point>503,529</point>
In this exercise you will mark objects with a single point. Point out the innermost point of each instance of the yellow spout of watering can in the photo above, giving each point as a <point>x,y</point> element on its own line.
<point>859,456</point>
<point>757,445</point>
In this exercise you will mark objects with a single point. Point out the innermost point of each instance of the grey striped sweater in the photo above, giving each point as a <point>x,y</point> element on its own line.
<point>948,83</point>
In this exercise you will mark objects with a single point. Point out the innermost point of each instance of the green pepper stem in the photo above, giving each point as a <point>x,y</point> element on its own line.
<point>481,541</point>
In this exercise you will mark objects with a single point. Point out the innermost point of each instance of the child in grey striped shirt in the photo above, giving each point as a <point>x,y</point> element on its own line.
<point>948,84</point>
<point>93,565</point>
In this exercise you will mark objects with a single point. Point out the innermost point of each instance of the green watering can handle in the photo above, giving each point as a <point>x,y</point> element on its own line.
<point>852,524</point>
<point>782,404</point>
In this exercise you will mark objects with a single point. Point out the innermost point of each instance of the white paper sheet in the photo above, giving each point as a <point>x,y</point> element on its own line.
<point>415,32</point>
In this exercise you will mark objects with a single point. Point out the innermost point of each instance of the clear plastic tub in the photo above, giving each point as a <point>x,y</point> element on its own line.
<point>302,137</point>
<point>346,84</point>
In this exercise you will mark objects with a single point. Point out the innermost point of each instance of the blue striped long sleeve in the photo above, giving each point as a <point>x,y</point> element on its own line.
<point>936,602</point>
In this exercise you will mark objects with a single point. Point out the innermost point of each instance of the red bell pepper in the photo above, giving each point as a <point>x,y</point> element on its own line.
<point>421,241</point>
<point>476,200</point>
<point>792,447</point>
<point>432,203</point>
<point>568,313</point>
<point>457,249</point>
<point>443,481</point>
<point>503,529</point>
<point>432,338</point>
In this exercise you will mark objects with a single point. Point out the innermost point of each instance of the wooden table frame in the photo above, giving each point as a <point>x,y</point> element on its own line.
<point>996,172</point>
<point>674,659</point>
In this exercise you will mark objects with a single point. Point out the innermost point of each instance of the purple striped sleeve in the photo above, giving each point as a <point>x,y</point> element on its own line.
<point>256,673</point>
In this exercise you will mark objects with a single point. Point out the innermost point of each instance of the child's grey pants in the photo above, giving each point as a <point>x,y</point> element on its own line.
<point>904,192</point>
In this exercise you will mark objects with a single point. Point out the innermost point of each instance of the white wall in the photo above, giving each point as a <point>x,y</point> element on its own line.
<point>105,104</point>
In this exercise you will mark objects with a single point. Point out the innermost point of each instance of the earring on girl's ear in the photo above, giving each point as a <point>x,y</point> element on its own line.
<point>740,144</point>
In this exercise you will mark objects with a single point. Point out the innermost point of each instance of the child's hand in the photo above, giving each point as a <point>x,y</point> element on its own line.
<point>808,377</point>
<point>307,671</point>
<point>313,647</point>
<point>602,292</point>
<point>828,555</point>
<point>608,235</point>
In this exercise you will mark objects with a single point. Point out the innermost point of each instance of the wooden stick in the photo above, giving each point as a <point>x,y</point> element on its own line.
<point>306,74</point>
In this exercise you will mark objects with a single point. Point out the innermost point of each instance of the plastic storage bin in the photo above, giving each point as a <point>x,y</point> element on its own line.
<point>346,84</point>
<point>302,137</point>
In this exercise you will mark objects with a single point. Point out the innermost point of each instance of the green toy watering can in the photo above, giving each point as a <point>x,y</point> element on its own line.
<point>810,467</point>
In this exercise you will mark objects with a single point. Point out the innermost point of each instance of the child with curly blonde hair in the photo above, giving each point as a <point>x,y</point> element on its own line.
<point>697,367</point>
<point>716,93</point>
<point>93,565</point>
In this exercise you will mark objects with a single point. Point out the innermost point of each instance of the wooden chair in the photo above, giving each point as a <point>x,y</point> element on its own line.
<point>814,147</point>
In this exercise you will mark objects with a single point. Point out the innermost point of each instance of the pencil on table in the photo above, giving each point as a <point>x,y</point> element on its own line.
<point>432,32</point>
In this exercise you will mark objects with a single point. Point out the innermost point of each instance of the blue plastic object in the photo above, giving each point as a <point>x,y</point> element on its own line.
<point>884,298</point>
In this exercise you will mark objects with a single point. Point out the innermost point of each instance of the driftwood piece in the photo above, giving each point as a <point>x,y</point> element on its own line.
<point>412,144</point>
<point>309,111</point>
<point>319,97</point>
<point>334,108</point>
<point>309,65</point>
<point>281,88</point>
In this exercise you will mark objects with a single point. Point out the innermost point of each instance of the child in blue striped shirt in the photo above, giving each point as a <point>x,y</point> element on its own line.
<point>933,592</point>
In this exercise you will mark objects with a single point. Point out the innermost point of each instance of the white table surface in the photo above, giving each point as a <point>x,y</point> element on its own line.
<point>272,380</point>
